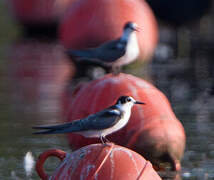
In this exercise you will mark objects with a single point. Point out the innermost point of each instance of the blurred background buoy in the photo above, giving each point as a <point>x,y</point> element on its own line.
<point>89,23</point>
<point>98,161</point>
<point>39,17</point>
<point>37,70</point>
<point>153,130</point>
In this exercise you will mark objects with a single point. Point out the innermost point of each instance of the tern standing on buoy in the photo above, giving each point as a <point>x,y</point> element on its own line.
<point>115,53</point>
<point>97,125</point>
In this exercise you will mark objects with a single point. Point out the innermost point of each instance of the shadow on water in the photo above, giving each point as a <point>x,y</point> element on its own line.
<point>33,76</point>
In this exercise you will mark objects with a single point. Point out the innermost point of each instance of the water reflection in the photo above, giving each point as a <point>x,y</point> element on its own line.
<point>32,82</point>
<point>34,75</point>
<point>37,73</point>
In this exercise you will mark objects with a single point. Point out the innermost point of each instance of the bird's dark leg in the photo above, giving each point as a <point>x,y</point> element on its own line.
<point>102,139</point>
<point>116,70</point>
<point>106,139</point>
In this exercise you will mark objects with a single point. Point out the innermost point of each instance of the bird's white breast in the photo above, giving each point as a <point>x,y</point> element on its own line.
<point>121,123</point>
<point>124,120</point>
<point>104,132</point>
<point>132,51</point>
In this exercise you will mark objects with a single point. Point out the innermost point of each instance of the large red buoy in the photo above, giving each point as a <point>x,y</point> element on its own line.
<point>98,161</point>
<point>89,23</point>
<point>37,12</point>
<point>153,129</point>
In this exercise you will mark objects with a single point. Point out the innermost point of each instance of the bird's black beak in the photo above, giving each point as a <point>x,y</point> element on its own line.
<point>137,29</point>
<point>138,102</point>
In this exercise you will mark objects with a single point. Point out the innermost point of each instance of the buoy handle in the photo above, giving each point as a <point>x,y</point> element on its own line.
<point>42,158</point>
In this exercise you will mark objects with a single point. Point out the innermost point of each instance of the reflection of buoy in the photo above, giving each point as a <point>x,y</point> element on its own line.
<point>98,161</point>
<point>89,23</point>
<point>36,12</point>
<point>153,130</point>
<point>38,72</point>
<point>179,12</point>
<point>39,17</point>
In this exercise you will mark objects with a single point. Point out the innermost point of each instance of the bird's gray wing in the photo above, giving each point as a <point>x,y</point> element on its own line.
<point>101,120</point>
<point>105,53</point>
<point>111,51</point>
<point>81,54</point>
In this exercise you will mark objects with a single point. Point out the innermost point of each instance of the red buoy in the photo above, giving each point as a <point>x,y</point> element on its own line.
<point>153,129</point>
<point>37,12</point>
<point>98,161</point>
<point>89,23</point>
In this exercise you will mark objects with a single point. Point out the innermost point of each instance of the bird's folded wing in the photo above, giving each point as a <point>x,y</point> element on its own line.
<point>85,54</point>
<point>110,52</point>
<point>102,120</point>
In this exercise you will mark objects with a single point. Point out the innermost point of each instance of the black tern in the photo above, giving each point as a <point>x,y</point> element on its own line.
<point>114,54</point>
<point>97,125</point>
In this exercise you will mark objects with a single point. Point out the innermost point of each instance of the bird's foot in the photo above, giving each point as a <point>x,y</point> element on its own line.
<point>107,144</point>
<point>116,70</point>
<point>101,138</point>
<point>105,141</point>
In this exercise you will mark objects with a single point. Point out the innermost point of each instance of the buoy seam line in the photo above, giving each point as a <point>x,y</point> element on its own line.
<point>103,161</point>
<point>143,170</point>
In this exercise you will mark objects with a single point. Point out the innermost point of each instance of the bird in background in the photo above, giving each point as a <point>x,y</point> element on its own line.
<point>97,125</point>
<point>113,54</point>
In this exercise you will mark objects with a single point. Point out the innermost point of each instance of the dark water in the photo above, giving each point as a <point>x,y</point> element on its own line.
<point>33,76</point>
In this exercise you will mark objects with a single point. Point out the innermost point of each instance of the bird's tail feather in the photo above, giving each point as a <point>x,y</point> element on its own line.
<point>50,131</point>
<point>57,126</point>
<point>56,129</point>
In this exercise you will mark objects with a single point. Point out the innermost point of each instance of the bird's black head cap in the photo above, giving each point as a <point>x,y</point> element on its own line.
<point>123,99</point>
<point>126,99</point>
<point>131,25</point>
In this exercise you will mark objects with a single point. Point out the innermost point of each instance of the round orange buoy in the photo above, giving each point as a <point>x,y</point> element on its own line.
<point>153,129</point>
<point>37,12</point>
<point>43,157</point>
<point>98,161</point>
<point>89,23</point>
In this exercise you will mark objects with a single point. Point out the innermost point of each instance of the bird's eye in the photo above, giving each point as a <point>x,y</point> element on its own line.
<point>128,99</point>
